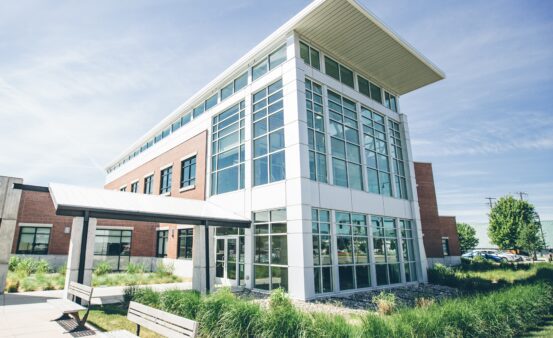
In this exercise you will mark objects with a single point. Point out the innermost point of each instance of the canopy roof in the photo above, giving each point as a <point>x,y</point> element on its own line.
<point>109,204</point>
<point>356,36</point>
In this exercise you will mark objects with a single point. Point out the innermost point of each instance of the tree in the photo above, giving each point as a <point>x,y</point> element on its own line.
<point>467,237</point>
<point>507,217</point>
<point>530,239</point>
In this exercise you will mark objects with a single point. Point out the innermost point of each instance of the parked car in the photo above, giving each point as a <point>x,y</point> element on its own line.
<point>487,254</point>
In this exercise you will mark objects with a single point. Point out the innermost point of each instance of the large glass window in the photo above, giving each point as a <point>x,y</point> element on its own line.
<point>344,142</point>
<point>188,172</point>
<point>148,184</point>
<point>398,166</point>
<point>228,150</point>
<point>352,238</point>
<point>269,63</point>
<point>322,250</point>
<point>390,101</point>
<point>409,250</point>
<point>161,243</point>
<point>376,152</point>
<point>114,246</point>
<point>339,72</point>
<point>316,131</point>
<point>310,56</point>
<point>386,250</point>
<point>185,243</point>
<point>166,178</point>
<point>134,187</point>
<point>268,135</point>
<point>369,89</point>
<point>33,240</point>
<point>234,86</point>
<point>270,250</point>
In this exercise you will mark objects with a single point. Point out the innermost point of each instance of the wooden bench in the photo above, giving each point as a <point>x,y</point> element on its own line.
<point>70,307</point>
<point>164,323</point>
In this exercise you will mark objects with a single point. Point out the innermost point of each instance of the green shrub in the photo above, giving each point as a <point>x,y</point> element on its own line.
<point>12,285</point>
<point>147,296</point>
<point>62,269</point>
<point>242,318</point>
<point>102,268</point>
<point>136,268</point>
<point>164,269</point>
<point>181,303</point>
<point>330,326</point>
<point>385,302</point>
<point>13,263</point>
<point>506,313</point>
<point>283,319</point>
<point>41,266</point>
<point>211,310</point>
<point>128,293</point>
<point>25,266</point>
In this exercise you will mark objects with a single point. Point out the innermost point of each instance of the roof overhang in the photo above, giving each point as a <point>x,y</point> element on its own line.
<point>108,204</point>
<point>357,38</point>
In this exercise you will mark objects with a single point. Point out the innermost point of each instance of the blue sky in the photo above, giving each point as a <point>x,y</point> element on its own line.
<point>80,81</point>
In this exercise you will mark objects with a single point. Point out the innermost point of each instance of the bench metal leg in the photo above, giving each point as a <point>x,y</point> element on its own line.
<point>80,322</point>
<point>64,316</point>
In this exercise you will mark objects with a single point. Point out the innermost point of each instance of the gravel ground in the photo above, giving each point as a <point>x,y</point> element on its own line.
<point>360,302</point>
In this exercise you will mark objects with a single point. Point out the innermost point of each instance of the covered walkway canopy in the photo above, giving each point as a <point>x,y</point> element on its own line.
<point>86,204</point>
<point>73,201</point>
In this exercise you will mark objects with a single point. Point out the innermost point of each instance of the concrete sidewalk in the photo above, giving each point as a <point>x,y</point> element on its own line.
<point>27,314</point>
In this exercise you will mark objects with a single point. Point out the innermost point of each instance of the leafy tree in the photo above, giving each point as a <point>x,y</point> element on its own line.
<point>507,218</point>
<point>467,237</point>
<point>530,239</point>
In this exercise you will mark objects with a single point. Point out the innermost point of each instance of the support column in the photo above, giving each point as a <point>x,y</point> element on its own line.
<point>9,208</point>
<point>74,256</point>
<point>203,238</point>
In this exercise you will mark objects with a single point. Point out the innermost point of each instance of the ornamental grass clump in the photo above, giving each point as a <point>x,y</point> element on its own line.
<point>102,268</point>
<point>181,303</point>
<point>385,302</point>
<point>283,319</point>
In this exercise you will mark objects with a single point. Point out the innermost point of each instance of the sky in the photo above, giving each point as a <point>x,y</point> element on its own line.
<point>80,81</point>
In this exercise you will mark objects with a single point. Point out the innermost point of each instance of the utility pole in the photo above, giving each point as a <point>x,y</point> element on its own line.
<point>521,194</point>
<point>490,201</point>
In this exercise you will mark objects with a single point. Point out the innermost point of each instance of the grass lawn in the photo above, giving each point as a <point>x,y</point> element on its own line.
<point>506,275</point>
<point>17,282</point>
<point>543,331</point>
<point>113,317</point>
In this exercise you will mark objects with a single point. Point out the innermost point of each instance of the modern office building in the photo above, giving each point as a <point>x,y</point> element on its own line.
<point>305,136</point>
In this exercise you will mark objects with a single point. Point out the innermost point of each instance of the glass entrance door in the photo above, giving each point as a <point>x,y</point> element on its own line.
<point>226,260</point>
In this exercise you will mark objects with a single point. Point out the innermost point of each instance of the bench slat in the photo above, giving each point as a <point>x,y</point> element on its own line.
<point>66,306</point>
<point>164,323</point>
<point>80,290</point>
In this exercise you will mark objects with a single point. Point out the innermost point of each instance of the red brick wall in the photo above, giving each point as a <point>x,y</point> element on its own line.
<point>434,226</point>
<point>37,207</point>
<point>196,144</point>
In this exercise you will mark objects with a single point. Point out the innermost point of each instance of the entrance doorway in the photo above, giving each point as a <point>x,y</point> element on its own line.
<point>226,261</point>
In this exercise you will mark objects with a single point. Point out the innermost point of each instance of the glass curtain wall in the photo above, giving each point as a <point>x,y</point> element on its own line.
<point>316,131</point>
<point>268,135</point>
<point>344,142</point>
<point>270,250</point>
<point>352,238</point>
<point>376,152</point>
<point>228,150</point>
<point>322,250</point>
<point>400,180</point>
<point>386,250</point>
<point>409,250</point>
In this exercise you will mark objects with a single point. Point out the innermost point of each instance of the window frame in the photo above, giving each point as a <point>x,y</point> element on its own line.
<point>190,164</point>
<point>33,244</point>
<point>165,181</point>
<point>162,234</point>
<point>183,235</point>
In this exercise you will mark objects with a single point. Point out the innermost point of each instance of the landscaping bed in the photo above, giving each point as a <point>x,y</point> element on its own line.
<point>29,274</point>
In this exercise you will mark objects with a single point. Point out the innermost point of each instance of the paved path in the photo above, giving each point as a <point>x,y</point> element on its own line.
<point>27,314</point>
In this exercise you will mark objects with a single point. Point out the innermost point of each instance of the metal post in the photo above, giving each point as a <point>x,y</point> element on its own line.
<point>207,277</point>
<point>82,257</point>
